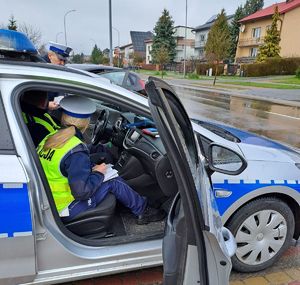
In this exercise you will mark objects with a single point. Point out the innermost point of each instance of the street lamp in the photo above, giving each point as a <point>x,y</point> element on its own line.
<point>185,36</point>
<point>93,41</point>
<point>65,25</point>
<point>56,37</point>
<point>118,45</point>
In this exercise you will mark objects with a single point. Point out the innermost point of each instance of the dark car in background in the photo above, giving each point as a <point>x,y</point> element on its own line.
<point>122,77</point>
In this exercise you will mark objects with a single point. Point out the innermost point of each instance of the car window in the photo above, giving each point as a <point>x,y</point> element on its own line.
<point>218,130</point>
<point>131,80</point>
<point>204,143</point>
<point>116,77</point>
<point>6,142</point>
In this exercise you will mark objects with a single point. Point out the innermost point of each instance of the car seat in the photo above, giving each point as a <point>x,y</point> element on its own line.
<point>94,223</point>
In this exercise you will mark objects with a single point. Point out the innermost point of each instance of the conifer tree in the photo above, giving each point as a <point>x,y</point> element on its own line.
<point>97,55</point>
<point>12,23</point>
<point>218,42</point>
<point>252,6</point>
<point>164,37</point>
<point>235,31</point>
<point>271,47</point>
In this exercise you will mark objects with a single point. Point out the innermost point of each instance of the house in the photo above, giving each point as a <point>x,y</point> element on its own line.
<point>138,42</point>
<point>179,34</point>
<point>125,53</point>
<point>137,46</point>
<point>201,35</point>
<point>148,44</point>
<point>181,42</point>
<point>254,27</point>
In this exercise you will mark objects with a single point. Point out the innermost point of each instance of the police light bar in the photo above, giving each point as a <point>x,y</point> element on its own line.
<point>15,41</point>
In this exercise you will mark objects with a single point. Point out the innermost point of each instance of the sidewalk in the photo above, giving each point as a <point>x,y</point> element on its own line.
<point>268,94</point>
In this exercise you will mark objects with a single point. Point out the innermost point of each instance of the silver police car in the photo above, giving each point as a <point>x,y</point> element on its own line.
<point>38,248</point>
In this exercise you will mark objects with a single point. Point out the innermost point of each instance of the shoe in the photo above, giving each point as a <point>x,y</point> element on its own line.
<point>150,215</point>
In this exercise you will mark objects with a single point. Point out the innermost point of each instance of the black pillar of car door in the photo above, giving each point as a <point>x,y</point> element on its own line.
<point>185,222</point>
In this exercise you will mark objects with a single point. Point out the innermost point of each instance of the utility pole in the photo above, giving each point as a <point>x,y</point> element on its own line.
<point>110,36</point>
<point>185,36</point>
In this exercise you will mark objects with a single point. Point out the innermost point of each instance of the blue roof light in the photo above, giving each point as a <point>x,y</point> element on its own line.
<point>15,41</point>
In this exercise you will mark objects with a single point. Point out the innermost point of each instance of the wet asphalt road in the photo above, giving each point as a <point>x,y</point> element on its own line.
<point>277,121</point>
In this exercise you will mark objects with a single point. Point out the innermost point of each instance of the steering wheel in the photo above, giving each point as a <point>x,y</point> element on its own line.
<point>100,126</point>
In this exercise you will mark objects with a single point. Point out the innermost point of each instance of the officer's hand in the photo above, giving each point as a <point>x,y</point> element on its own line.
<point>53,106</point>
<point>100,168</point>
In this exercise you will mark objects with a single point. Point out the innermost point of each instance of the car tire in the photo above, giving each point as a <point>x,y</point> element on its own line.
<point>263,230</point>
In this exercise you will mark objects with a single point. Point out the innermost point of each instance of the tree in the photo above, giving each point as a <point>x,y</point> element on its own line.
<point>162,58</point>
<point>270,47</point>
<point>252,6</point>
<point>218,42</point>
<point>97,55</point>
<point>12,23</point>
<point>164,37</point>
<point>137,59</point>
<point>235,31</point>
<point>34,34</point>
<point>78,58</point>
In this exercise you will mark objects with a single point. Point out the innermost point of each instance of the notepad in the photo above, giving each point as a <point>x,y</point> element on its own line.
<point>110,173</point>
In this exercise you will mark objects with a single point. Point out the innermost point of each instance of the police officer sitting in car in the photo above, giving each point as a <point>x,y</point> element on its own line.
<point>34,105</point>
<point>77,184</point>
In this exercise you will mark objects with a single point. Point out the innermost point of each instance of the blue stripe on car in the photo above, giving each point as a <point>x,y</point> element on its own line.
<point>241,188</point>
<point>15,216</point>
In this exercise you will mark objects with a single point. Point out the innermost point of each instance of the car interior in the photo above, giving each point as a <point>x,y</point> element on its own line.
<point>140,159</point>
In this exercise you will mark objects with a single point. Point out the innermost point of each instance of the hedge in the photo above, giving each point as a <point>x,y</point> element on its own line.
<point>272,66</point>
<point>201,68</point>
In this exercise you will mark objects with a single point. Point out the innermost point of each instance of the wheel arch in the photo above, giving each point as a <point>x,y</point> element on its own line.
<point>286,194</point>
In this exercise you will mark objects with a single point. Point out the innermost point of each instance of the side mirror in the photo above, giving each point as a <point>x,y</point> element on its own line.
<point>225,160</point>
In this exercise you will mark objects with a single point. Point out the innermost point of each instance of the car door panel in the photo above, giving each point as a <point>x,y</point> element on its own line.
<point>197,217</point>
<point>16,216</point>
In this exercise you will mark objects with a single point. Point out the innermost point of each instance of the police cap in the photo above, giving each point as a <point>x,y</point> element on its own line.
<point>62,51</point>
<point>77,106</point>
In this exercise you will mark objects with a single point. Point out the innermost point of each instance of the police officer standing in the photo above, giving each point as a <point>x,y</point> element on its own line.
<point>57,53</point>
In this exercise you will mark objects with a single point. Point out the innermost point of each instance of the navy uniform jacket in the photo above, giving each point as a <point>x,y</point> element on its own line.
<point>77,167</point>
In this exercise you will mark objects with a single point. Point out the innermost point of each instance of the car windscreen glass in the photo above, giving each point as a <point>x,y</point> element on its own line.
<point>218,131</point>
<point>116,77</point>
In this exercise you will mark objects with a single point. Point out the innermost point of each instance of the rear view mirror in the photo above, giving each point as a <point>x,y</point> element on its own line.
<point>225,160</point>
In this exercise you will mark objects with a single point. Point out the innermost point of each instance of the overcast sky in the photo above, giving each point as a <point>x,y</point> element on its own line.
<point>89,23</point>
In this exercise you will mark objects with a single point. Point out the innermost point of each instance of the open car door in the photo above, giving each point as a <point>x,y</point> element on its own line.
<point>196,248</point>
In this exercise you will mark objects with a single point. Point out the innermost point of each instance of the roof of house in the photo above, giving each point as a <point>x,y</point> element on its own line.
<point>283,7</point>
<point>125,46</point>
<point>138,40</point>
<point>209,23</point>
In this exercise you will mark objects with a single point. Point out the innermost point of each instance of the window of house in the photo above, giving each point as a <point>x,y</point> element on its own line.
<point>253,52</point>
<point>202,38</point>
<point>256,32</point>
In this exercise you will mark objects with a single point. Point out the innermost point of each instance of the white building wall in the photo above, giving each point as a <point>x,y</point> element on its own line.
<point>148,53</point>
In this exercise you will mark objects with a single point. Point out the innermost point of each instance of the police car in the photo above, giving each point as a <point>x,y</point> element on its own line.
<point>38,248</point>
<point>261,206</point>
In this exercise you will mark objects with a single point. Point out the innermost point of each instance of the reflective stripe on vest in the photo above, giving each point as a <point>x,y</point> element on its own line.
<point>50,160</point>
<point>51,126</point>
